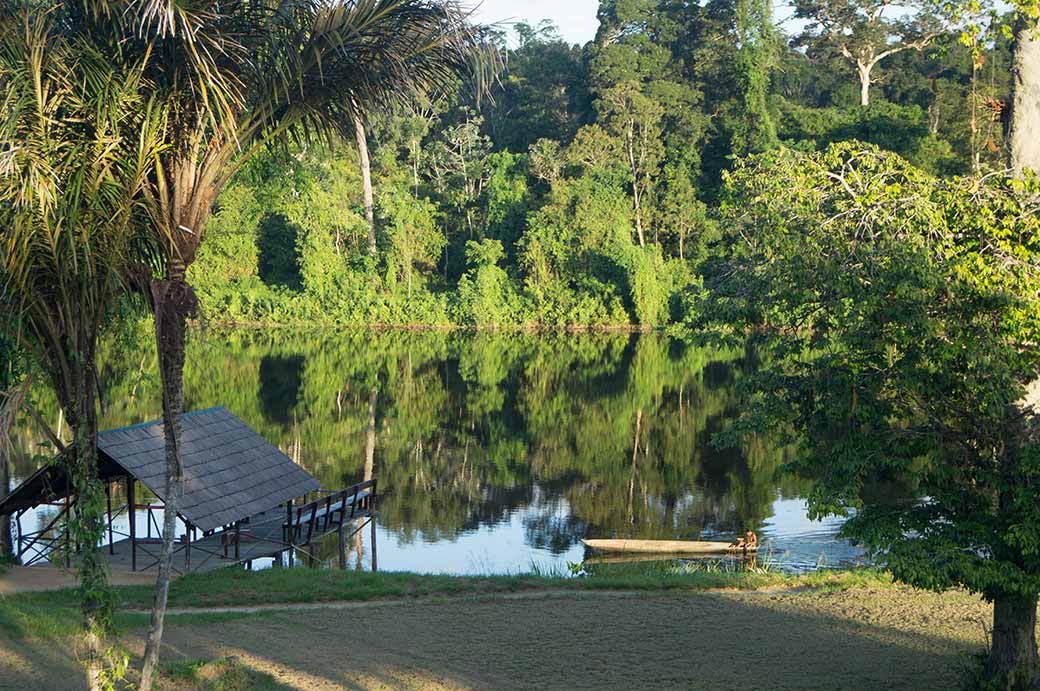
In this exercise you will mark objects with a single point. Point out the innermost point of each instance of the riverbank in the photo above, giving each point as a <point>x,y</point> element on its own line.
<point>628,629</point>
<point>54,613</point>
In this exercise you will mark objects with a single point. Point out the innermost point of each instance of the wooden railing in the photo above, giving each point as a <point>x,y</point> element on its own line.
<point>332,510</point>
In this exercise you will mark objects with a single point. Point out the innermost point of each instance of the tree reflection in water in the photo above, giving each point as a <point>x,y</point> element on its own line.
<point>586,434</point>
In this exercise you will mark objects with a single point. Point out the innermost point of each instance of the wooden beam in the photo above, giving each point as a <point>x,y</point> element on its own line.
<point>133,530</point>
<point>108,501</point>
<point>342,546</point>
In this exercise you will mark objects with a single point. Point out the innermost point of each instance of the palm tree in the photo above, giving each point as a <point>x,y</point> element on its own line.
<point>75,153</point>
<point>234,77</point>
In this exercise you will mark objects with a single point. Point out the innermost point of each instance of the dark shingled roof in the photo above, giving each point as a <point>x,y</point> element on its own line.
<point>230,471</point>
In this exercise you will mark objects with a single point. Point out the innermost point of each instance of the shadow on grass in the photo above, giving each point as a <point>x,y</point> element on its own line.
<point>678,640</point>
<point>684,641</point>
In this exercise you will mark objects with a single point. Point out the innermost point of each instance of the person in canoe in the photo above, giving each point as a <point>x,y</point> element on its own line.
<point>748,543</point>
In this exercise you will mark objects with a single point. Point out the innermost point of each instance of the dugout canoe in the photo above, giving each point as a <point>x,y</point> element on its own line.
<point>665,546</point>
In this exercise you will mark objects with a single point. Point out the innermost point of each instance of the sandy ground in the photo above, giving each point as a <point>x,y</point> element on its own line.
<point>20,579</point>
<point>863,639</point>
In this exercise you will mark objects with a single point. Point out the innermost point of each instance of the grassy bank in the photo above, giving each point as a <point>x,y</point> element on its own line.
<point>53,614</point>
<point>850,631</point>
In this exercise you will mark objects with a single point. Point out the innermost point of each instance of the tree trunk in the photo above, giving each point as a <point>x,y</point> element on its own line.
<point>864,83</point>
<point>6,543</point>
<point>173,302</point>
<point>366,180</point>
<point>1013,661</point>
<point>85,526</point>
<point>630,145</point>
<point>1013,655</point>
<point>632,477</point>
<point>1025,103</point>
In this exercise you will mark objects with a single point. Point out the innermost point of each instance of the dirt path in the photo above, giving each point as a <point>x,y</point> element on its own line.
<point>863,639</point>
<point>22,579</point>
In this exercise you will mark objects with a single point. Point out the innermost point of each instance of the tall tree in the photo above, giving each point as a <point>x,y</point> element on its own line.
<point>365,162</point>
<point>645,97</point>
<point>916,361</point>
<point>758,45</point>
<point>1013,655</point>
<point>635,119</point>
<point>1025,105</point>
<point>544,92</point>
<point>865,32</point>
<point>235,77</point>
<point>77,145</point>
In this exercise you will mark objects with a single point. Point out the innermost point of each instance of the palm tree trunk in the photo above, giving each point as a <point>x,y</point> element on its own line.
<point>1025,105</point>
<point>85,527</point>
<point>366,179</point>
<point>173,302</point>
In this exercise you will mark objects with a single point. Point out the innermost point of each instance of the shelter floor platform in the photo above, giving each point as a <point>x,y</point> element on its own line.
<point>262,537</point>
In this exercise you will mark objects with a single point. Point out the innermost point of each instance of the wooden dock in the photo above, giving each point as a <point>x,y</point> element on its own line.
<point>265,535</point>
<point>293,529</point>
<point>242,499</point>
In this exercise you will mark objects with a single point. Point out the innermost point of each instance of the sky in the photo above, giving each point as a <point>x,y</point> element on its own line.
<point>576,18</point>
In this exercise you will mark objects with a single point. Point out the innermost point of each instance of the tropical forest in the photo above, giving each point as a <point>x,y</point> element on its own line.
<point>432,344</point>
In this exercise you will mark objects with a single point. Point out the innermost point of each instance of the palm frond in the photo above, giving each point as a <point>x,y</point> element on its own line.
<point>76,146</point>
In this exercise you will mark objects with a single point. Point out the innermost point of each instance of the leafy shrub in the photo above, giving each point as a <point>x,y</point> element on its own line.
<point>486,295</point>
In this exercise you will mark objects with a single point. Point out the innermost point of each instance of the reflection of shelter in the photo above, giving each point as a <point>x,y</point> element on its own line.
<point>243,498</point>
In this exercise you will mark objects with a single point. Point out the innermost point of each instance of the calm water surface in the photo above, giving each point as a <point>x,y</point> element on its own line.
<point>497,453</point>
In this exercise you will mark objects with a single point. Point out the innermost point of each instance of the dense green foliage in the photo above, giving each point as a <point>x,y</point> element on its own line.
<point>586,190</point>
<point>914,359</point>
<point>836,196</point>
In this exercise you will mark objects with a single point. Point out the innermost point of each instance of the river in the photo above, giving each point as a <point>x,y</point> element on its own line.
<point>498,453</point>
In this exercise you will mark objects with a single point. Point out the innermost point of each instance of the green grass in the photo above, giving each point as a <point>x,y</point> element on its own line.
<point>227,674</point>
<point>54,614</point>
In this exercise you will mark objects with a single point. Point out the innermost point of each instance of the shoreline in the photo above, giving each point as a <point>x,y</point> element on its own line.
<point>469,328</point>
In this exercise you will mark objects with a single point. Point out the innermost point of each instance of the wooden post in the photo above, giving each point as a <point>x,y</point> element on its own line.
<point>291,555</point>
<point>131,514</point>
<point>372,522</point>
<point>68,517</point>
<point>342,546</point>
<point>108,502</point>
<point>238,534</point>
